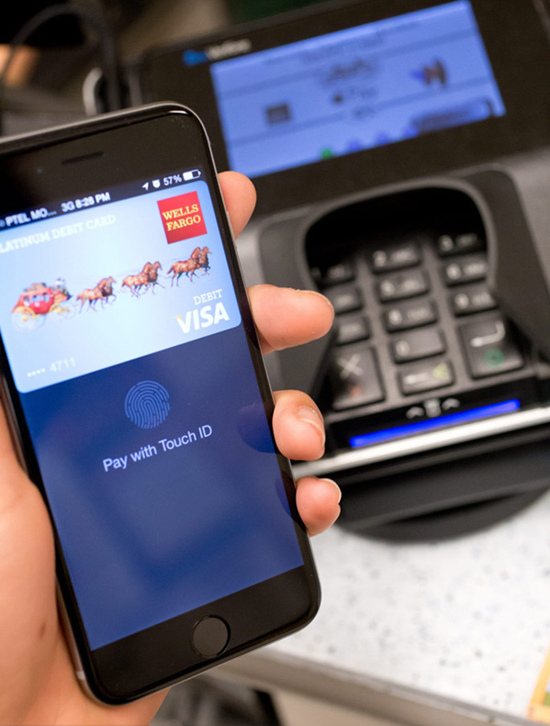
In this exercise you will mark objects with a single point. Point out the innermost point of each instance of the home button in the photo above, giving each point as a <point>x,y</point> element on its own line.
<point>210,637</point>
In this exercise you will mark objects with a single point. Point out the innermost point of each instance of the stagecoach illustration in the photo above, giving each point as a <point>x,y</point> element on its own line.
<point>38,301</point>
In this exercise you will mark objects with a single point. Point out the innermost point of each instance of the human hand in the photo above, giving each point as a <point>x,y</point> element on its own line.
<point>37,681</point>
<point>285,318</point>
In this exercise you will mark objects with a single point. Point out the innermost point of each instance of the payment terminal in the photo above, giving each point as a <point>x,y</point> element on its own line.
<point>401,152</point>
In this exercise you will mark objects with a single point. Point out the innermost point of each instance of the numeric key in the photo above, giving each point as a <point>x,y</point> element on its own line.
<point>455,244</point>
<point>417,344</point>
<point>407,315</point>
<point>472,299</point>
<point>345,298</point>
<point>466,269</point>
<point>401,285</point>
<point>395,257</point>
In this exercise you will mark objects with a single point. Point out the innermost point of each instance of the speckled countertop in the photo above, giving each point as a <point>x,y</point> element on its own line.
<point>465,621</point>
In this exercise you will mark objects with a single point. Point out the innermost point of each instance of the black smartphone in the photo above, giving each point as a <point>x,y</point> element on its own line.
<point>139,399</point>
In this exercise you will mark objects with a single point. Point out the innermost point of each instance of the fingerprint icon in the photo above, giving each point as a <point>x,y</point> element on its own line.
<point>147,404</point>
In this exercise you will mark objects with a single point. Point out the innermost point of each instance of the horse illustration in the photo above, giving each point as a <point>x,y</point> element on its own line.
<point>152,272</point>
<point>200,254</point>
<point>105,286</point>
<point>136,283</point>
<point>102,292</point>
<point>183,267</point>
<point>90,296</point>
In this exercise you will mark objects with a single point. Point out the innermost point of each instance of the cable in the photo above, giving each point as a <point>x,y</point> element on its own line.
<point>106,42</point>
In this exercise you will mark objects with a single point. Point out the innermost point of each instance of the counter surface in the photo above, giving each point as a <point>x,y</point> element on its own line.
<point>465,622</point>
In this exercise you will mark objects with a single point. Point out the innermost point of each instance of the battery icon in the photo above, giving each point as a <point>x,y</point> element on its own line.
<point>189,175</point>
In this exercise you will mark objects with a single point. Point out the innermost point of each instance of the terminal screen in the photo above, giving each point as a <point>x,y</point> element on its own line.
<point>355,89</point>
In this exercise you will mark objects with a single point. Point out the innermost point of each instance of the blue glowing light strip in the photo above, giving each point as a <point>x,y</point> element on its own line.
<point>420,427</point>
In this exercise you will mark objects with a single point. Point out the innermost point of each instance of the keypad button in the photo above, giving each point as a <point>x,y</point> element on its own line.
<point>426,376</point>
<point>417,344</point>
<point>351,329</point>
<point>395,257</point>
<point>411,314</point>
<point>454,244</point>
<point>472,299</point>
<point>490,347</point>
<point>345,298</point>
<point>466,269</point>
<point>355,378</point>
<point>337,274</point>
<point>401,285</point>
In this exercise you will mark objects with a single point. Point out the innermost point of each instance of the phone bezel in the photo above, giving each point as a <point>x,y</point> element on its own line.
<point>290,600</point>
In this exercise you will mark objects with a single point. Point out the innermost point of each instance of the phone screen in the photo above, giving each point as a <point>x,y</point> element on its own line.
<point>132,366</point>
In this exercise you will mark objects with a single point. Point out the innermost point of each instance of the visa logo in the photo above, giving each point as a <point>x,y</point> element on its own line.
<point>202,318</point>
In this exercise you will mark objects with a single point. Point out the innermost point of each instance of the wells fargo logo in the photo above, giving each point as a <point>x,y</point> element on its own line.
<point>182,217</point>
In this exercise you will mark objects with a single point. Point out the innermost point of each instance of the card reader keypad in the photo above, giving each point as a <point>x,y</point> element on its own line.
<point>414,317</point>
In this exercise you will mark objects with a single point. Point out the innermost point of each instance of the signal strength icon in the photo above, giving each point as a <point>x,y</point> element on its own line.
<point>145,186</point>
